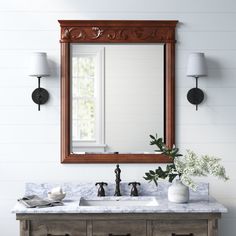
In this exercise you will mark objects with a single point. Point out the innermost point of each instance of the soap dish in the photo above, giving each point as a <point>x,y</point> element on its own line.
<point>56,197</point>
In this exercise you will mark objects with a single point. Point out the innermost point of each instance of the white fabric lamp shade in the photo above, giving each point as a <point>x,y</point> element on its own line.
<point>196,65</point>
<point>39,65</point>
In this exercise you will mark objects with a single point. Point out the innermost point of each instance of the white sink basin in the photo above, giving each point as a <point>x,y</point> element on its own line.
<point>119,201</point>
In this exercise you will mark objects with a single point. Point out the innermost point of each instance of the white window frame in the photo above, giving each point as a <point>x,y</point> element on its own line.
<point>98,145</point>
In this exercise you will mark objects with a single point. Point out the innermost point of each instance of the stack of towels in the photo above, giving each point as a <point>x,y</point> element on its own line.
<point>55,197</point>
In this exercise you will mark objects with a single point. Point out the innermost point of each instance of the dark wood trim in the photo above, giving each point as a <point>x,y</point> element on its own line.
<point>116,158</point>
<point>170,94</point>
<point>65,101</point>
<point>73,31</point>
<point>94,31</point>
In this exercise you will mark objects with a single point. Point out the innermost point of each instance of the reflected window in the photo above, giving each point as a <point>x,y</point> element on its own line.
<point>87,96</point>
<point>84,98</point>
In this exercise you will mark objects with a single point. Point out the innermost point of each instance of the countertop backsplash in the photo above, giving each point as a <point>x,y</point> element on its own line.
<point>90,190</point>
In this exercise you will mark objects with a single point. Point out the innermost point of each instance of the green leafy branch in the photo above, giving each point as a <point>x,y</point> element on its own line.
<point>170,172</point>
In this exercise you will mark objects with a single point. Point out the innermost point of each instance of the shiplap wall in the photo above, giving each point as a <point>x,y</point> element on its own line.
<point>29,140</point>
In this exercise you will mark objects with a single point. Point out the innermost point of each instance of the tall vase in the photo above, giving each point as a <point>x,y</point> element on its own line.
<point>178,192</point>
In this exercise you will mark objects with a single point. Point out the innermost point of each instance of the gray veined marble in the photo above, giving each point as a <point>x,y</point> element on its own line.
<point>74,190</point>
<point>200,201</point>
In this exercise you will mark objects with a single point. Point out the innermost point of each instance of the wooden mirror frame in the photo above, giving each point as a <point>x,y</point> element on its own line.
<point>117,31</point>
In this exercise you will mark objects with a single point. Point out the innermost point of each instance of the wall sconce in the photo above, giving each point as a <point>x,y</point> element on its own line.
<point>39,68</point>
<point>196,68</point>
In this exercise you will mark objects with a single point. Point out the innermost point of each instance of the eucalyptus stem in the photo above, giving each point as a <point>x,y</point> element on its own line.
<point>171,173</point>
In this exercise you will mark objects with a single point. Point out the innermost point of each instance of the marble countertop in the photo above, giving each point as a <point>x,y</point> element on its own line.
<point>202,204</point>
<point>200,201</point>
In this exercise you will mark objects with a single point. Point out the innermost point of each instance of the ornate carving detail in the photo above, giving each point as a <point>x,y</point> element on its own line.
<point>116,34</point>
<point>65,33</point>
<point>144,34</point>
<point>121,34</point>
<point>97,32</point>
<point>77,33</point>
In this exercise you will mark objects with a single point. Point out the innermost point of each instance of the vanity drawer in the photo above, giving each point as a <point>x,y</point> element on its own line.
<point>119,228</point>
<point>58,228</point>
<point>180,228</point>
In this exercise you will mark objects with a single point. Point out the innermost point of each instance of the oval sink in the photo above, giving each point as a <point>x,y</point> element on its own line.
<point>119,201</point>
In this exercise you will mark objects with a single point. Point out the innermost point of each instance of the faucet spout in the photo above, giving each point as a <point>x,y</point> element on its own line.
<point>118,180</point>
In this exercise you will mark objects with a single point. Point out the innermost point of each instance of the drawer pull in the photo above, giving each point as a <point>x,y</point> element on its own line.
<point>119,235</point>
<point>58,235</point>
<point>182,234</point>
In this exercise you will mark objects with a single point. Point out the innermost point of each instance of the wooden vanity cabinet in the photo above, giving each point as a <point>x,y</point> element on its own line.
<point>160,224</point>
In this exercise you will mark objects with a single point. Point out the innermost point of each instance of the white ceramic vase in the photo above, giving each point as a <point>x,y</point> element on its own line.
<point>178,192</point>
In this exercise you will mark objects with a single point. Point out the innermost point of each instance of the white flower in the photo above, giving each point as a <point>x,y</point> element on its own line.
<point>191,165</point>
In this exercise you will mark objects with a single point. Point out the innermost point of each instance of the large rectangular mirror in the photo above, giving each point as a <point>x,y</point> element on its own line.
<point>117,89</point>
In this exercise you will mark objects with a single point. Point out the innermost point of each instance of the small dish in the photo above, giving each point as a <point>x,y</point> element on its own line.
<point>56,197</point>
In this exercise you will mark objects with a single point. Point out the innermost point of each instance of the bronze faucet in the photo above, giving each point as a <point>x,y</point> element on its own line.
<point>118,180</point>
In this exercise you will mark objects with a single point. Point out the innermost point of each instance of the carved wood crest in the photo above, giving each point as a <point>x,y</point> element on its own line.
<point>120,33</point>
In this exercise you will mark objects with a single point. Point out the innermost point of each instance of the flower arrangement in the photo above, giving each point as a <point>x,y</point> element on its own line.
<point>184,167</point>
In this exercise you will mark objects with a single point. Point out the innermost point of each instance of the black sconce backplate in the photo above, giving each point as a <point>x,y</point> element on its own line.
<point>40,96</point>
<point>195,96</point>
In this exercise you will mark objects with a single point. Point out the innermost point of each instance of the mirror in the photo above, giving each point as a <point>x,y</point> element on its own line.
<point>117,89</point>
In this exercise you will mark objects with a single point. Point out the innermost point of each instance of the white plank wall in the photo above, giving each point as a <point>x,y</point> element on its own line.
<point>30,140</point>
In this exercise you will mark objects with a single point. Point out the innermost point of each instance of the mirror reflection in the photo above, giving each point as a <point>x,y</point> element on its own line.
<point>117,97</point>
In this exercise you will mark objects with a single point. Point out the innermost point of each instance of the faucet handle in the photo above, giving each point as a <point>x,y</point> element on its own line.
<point>101,183</point>
<point>134,183</point>
<point>134,190</point>
<point>101,190</point>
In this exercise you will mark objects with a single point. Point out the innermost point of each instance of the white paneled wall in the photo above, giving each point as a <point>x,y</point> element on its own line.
<point>30,140</point>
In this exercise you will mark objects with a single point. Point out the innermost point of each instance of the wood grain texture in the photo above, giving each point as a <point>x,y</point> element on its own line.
<point>167,224</point>
<point>25,228</point>
<point>180,228</point>
<point>65,100</point>
<point>212,227</point>
<point>94,31</point>
<point>117,31</point>
<point>125,227</point>
<point>120,216</point>
<point>58,228</point>
<point>89,228</point>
